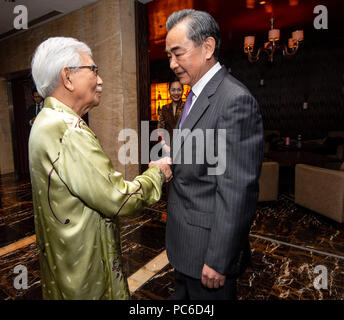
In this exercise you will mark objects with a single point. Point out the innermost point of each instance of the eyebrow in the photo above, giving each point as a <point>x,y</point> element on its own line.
<point>173,49</point>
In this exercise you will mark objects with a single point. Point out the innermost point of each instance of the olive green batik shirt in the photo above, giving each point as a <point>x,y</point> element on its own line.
<point>77,197</point>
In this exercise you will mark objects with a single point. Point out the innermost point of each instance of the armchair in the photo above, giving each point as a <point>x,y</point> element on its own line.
<point>321,190</point>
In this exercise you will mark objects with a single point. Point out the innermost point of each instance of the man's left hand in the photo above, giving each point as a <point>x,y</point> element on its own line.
<point>212,279</point>
<point>165,146</point>
<point>164,165</point>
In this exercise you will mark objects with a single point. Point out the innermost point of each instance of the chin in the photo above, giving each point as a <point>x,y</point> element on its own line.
<point>96,102</point>
<point>184,81</point>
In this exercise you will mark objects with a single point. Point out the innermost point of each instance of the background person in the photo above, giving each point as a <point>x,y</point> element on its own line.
<point>171,112</point>
<point>35,108</point>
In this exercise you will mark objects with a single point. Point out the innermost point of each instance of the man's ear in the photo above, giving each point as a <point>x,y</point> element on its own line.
<point>67,79</point>
<point>209,46</point>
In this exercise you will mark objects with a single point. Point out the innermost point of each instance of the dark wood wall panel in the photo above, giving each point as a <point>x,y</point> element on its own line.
<point>314,75</point>
<point>142,63</point>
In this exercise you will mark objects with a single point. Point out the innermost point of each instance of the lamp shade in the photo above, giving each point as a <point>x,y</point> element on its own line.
<point>249,43</point>
<point>298,35</point>
<point>274,35</point>
<point>249,40</point>
<point>250,4</point>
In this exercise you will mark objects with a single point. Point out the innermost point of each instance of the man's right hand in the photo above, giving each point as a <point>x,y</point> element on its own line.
<point>164,165</point>
<point>32,121</point>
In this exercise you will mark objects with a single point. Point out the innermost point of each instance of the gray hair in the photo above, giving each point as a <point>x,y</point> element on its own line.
<point>50,57</point>
<point>201,25</point>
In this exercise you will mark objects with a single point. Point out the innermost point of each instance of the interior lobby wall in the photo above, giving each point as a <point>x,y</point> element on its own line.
<point>108,27</point>
<point>6,154</point>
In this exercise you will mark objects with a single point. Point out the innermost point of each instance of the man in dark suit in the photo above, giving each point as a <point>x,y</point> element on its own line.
<point>34,109</point>
<point>210,215</point>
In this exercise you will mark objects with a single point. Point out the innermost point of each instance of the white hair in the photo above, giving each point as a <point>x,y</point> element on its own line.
<point>50,57</point>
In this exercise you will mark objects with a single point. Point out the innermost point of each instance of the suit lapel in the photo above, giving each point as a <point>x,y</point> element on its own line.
<point>201,105</point>
<point>178,122</point>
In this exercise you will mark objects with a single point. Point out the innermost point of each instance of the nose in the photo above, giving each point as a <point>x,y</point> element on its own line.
<point>173,63</point>
<point>99,80</point>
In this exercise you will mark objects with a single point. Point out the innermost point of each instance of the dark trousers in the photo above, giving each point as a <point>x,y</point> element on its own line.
<point>188,288</point>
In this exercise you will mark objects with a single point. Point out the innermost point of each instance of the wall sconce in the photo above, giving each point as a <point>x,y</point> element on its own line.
<point>273,45</point>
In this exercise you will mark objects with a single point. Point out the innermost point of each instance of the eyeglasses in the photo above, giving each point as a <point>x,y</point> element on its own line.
<point>94,68</point>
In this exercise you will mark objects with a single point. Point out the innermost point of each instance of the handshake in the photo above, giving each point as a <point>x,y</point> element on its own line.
<point>164,165</point>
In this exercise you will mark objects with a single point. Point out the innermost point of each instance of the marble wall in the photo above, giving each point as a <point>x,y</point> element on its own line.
<point>108,27</point>
<point>6,154</point>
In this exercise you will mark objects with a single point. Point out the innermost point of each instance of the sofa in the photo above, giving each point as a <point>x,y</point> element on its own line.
<point>332,145</point>
<point>268,181</point>
<point>320,190</point>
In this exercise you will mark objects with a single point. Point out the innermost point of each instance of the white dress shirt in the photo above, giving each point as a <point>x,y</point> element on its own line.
<point>201,83</point>
<point>39,107</point>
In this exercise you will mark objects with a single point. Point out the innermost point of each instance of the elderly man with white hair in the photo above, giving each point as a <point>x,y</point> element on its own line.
<point>77,194</point>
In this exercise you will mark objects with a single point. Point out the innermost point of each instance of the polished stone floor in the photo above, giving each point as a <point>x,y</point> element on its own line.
<point>290,244</point>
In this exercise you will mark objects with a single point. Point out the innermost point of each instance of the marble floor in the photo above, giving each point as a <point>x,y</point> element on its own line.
<point>297,254</point>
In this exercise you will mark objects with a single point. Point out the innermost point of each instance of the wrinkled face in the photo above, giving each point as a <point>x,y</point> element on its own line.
<point>87,83</point>
<point>36,97</point>
<point>176,91</point>
<point>187,61</point>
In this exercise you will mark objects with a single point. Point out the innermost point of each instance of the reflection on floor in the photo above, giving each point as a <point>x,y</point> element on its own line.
<point>291,248</point>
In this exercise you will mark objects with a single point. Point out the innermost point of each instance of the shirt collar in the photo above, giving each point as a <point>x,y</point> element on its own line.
<point>53,103</point>
<point>201,83</point>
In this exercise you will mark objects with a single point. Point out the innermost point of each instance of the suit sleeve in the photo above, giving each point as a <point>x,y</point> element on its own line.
<point>237,187</point>
<point>89,174</point>
<point>30,114</point>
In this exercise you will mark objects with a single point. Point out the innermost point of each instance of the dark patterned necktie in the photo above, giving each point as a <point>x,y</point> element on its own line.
<point>186,107</point>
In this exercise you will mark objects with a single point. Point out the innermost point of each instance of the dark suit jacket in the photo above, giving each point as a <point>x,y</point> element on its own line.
<point>31,113</point>
<point>209,216</point>
<point>167,120</point>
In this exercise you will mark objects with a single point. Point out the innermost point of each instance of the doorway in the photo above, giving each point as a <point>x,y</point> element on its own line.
<point>20,99</point>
